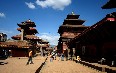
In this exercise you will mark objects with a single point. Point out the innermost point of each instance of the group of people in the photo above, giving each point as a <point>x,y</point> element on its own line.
<point>62,57</point>
<point>52,57</point>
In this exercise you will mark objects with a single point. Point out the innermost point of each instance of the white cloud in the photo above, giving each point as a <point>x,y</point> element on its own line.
<point>55,4</point>
<point>6,32</point>
<point>2,14</point>
<point>52,39</point>
<point>30,5</point>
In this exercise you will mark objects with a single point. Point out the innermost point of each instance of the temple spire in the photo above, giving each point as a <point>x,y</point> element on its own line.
<point>72,13</point>
<point>29,20</point>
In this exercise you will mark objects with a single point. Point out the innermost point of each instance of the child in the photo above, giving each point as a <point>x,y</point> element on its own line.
<point>78,59</point>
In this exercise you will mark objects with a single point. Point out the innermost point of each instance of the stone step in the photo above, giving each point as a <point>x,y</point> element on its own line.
<point>58,66</point>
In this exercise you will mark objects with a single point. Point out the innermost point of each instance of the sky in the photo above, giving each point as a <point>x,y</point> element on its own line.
<point>48,15</point>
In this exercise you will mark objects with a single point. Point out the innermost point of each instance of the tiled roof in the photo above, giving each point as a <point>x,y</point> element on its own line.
<point>44,41</point>
<point>43,45</point>
<point>32,37</point>
<point>19,44</point>
<point>109,17</point>
<point>73,36</point>
<point>49,48</point>
<point>110,4</point>
<point>30,28</point>
<point>27,37</point>
<point>27,23</point>
<point>16,37</point>
<point>73,26</point>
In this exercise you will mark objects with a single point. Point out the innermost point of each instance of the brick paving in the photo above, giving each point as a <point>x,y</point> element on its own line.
<point>16,65</point>
<point>58,66</point>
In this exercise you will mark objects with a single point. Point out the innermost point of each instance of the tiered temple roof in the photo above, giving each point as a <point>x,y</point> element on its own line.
<point>24,41</point>
<point>72,24</point>
<point>27,29</point>
<point>30,30</point>
<point>29,37</point>
<point>27,23</point>
<point>28,34</point>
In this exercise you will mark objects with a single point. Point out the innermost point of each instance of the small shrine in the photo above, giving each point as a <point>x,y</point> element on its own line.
<point>3,37</point>
<point>43,46</point>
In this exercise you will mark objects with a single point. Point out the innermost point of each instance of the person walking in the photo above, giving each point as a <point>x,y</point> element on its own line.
<point>30,58</point>
<point>62,57</point>
<point>51,58</point>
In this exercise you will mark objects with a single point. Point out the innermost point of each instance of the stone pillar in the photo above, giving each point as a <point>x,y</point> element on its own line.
<point>22,34</point>
<point>68,54</point>
<point>41,50</point>
<point>73,56</point>
<point>73,52</point>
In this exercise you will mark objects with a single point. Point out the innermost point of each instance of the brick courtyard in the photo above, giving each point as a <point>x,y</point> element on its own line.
<point>58,66</point>
<point>16,65</point>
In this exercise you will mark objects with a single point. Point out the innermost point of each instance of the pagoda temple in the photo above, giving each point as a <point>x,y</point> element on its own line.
<point>27,31</point>
<point>23,42</point>
<point>71,27</point>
